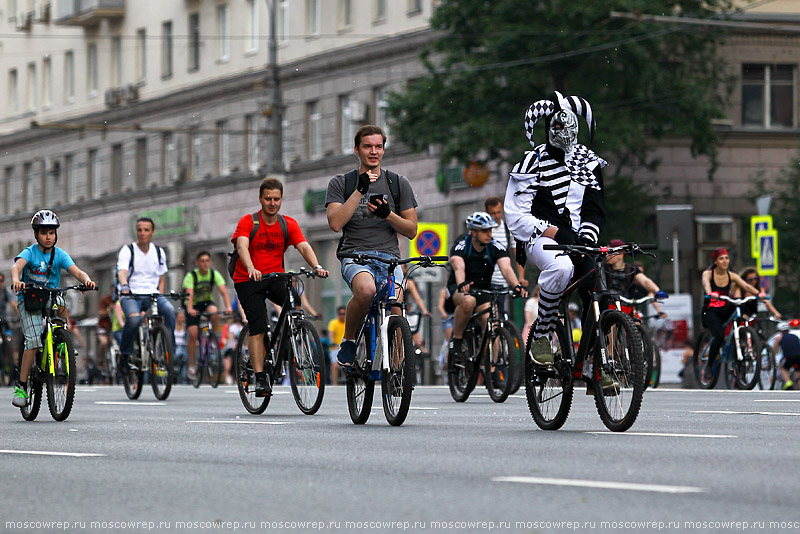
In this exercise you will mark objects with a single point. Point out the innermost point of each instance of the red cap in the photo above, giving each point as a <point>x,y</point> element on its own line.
<point>719,252</point>
<point>616,243</point>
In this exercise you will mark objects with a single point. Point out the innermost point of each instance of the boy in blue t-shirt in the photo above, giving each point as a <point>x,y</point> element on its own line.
<point>39,264</point>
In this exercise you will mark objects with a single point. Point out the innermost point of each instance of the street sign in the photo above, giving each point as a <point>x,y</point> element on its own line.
<point>431,240</point>
<point>758,223</point>
<point>767,261</point>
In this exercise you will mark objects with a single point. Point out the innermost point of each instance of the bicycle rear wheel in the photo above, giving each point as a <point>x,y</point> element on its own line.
<point>61,383</point>
<point>306,367</point>
<point>655,372</point>
<point>398,382</point>
<point>517,369</point>
<point>646,353</point>
<point>132,373</point>
<point>246,377</point>
<point>498,374</point>
<point>360,387</point>
<point>162,374</point>
<point>747,370</point>
<point>548,389</point>
<point>618,404</point>
<point>462,376</point>
<point>706,372</point>
<point>215,369</point>
<point>34,390</point>
<point>769,368</point>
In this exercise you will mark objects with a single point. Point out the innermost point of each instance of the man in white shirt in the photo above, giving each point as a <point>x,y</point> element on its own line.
<point>494,207</point>
<point>141,274</point>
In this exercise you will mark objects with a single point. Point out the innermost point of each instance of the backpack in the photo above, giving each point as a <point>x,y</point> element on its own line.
<point>234,256</point>
<point>161,259</point>
<point>210,281</point>
<point>350,181</point>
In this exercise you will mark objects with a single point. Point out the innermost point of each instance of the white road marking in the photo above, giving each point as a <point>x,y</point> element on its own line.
<point>776,400</point>
<point>663,434</point>
<point>725,412</point>
<point>54,453</point>
<point>245,422</point>
<point>129,403</point>
<point>421,408</point>
<point>599,484</point>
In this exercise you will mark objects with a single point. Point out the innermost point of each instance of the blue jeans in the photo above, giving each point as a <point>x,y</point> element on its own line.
<point>132,307</point>
<point>378,270</point>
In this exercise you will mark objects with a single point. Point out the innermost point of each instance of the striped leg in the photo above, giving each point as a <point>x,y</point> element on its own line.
<point>553,280</point>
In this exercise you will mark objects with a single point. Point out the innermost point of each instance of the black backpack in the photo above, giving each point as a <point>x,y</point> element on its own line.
<point>162,255</point>
<point>234,256</point>
<point>350,181</point>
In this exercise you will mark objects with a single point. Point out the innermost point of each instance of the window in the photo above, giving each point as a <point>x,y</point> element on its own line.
<point>95,176</point>
<point>223,37</point>
<point>381,113</point>
<point>196,146</point>
<point>346,133</point>
<point>47,82</point>
<point>253,135</point>
<point>141,162</point>
<point>768,96</point>
<point>194,41</point>
<point>252,26</point>
<point>169,160</point>
<point>345,14</point>
<point>69,76</point>
<point>116,61</point>
<point>91,69</point>
<point>116,169</point>
<point>283,20</point>
<point>27,187</point>
<point>13,97</point>
<point>7,188</point>
<point>314,134</point>
<point>380,11</point>
<point>71,185</point>
<point>141,55</point>
<point>166,49</point>
<point>312,17</point>
<point>30,90</point>
<point>414,7</point>
<point>223,148</point>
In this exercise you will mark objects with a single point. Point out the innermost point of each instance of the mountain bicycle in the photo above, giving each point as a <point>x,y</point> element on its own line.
<point>153,350</point>
<point>768,375</point>
<point>293,340</point>
<point>112,358</point>
<point>7,367</point>
<point>740,354</point>
<point>385,349</point>
<point>491,346</point>
<point>209,357</point>
<point>54,363</point>
<point>610,342</point>
<point>650,349</point>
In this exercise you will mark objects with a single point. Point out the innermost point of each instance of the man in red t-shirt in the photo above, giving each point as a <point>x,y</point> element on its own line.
<point>263,256</point>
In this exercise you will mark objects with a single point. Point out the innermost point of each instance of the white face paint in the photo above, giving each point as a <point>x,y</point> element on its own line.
<point>563,132</point>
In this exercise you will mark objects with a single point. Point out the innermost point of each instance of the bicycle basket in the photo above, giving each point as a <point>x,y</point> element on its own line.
<point>35,299</point>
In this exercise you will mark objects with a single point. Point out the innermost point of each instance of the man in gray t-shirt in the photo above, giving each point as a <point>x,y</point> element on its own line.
<point>370,221</point>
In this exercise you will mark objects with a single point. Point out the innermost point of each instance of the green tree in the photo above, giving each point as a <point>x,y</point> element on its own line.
<point>786,219</point>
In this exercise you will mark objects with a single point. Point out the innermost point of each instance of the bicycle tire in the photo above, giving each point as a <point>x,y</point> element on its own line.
<point>397,383</point>
<point>34,390</point>
<point>307,367</point>
<point>360,388</point>
<point>61,386</point>
<point>619,408</point>
<point>133,374</point>
<point>646,353</point>
<point>162,373</point>
<point>246,377</point>
<point>746,371</point>
<point>655,378</point>
<point>214,367</point>
<point>112,360</point>
<point>518,369</point>
<point>199,361</point>
<point>769,368</point>
<point>700,358</point>
<point>549,389</point>
<point>499,382</point>
<point>461,380</point>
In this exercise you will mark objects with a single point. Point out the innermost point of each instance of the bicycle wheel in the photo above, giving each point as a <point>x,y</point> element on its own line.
<point>132,373</point>
<point>112,358</point>
<point>497,374</point>
<point>746,371</point>
<point>655,373</point>
<point>215,369</point>
<point>246,377</point>
<point>517,370</point>
<point>706,373</point>
<point>463,377</point>
<point>360,387</point>
<point>61,383</point>
<point>162,374</point>
<point>306,367</point>
<point>769,369</point>
<point>646,353</point>
<point>397,382</point>
<point>548,389</point>
<point>200,361</point>
<point>619,404</point>
<point>34,390</point>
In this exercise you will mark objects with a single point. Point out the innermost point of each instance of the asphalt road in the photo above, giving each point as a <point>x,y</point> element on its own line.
<point>693,461</point>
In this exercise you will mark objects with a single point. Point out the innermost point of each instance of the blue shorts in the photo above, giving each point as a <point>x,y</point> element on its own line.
<point>377,269</point>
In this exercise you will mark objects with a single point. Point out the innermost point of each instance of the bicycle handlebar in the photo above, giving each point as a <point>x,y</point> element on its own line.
<point>493,292</point>
<point>57,290</point>
<point>170,295</point>
<point>737,302</point>
<point>643,300</point>
<point>363,258</point>
<point>292,274</point>
<point>596,250</point>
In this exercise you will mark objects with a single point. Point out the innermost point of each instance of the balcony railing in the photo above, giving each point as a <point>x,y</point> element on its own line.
<point>88,12</point>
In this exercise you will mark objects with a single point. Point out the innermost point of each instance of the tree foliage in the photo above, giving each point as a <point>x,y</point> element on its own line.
<point>645,80</point>
<point>786,219</point>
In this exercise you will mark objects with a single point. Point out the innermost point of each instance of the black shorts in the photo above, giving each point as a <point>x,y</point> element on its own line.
<point>194,320</point>
<point>450,306</point>
<point>790,361</point>
<point>252,297</point>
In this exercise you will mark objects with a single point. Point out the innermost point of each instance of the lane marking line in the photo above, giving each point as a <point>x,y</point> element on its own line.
<point>776,400</point>
<point>213,422</point>
<point>725,412</point>
<point>662,434</point>
<point>599,484</point>
<point>54,453</point>
<point>129,403</point>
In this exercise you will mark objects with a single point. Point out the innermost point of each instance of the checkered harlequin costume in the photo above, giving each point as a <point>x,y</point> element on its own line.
<point>554,187</point>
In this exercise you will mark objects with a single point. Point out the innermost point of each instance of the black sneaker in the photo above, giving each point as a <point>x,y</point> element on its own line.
<point>456,353</point>
<point>263,389</point>
<point>347,353</point>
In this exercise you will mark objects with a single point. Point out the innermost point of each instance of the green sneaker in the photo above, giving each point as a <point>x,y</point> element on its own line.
<point>19,398</point>
<point>609,385</point>
<point>788,385</point>
<point>542,352</point>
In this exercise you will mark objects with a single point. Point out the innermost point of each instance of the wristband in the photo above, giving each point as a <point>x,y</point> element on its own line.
<point>461,285</point>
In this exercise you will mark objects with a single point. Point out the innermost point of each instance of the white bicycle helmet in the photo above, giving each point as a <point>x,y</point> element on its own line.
<point>480,220</point>
<point>44,219</point>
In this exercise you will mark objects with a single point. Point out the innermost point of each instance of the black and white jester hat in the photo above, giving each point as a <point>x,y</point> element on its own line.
<point>545,108</point>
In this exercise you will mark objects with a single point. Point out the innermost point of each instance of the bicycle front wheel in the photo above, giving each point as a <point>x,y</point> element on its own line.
<point>746,371</point>
<point>655,372</point>
<point>462,376</point>
<point>397,382</point>
<point>162,374</point>
<point>214,361</point>
<point>61,382</point>
<point>360,387</point>
<point>548,388</point>
<point>517,369</point>
<point>706,370</point>
<point>34,390</point>
<point>132,373</point>
<point>246,377</point>
<point>306,367</point>
<point>619,381</point>
<point>497,366</point>
<point>646,353</point>
<point>769,368</point>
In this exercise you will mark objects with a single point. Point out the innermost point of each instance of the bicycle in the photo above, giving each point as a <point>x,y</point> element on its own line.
<point>768,376</point>
<point>7,367</point>
<point>492,346</point>
<point>650,348</point>
<point>610,341</point>
<point>153,349</point>
<point>385,349</point>
<point>54,363</point>
<point>744,368</point>
<point>209,357</point>
<point>292,339</point>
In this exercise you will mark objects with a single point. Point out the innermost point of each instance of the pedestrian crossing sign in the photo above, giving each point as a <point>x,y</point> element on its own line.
<point>758,223</point>
<point>767,260</point>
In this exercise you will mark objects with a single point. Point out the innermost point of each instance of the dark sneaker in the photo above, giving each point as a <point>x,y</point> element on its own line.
<point>542,352</point>
<point>455,353</point>
<point>347,353</point>
<point>263,389</point>
<point>609,385</point>
<point>19,398</point>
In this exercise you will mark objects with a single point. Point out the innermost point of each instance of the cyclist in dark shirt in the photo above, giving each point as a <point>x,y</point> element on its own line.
<point>624,279</point>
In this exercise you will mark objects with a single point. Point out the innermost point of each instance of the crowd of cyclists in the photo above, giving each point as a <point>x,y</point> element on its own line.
<point>554,196</point>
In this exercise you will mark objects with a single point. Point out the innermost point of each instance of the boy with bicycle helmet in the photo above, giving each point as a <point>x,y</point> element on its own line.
<point>40,264</point>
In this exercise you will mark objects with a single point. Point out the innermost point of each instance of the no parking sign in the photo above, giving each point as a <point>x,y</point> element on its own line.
<point>431,240</point>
